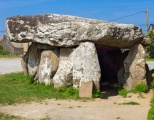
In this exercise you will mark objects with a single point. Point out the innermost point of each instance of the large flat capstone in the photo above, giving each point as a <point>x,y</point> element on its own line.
<point>67,31</point>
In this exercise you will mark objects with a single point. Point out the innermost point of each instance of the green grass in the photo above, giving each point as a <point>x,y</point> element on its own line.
<point>137,89</point>
<point>149,59</point>
<point>129,103</point>
<point>97,94</point>
<point>6,54</point>
<point>151,111</point>
<point>9,56</point>
<point>123,92</point>
<point>16,88</point>
<point>9,117</point>
<point>140,88</point>
<point>152,84</point>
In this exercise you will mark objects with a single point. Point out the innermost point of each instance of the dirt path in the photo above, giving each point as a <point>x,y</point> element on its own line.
<point>98,109</point>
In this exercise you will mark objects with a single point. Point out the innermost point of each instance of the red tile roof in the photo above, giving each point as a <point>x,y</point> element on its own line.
<point>1,39</point>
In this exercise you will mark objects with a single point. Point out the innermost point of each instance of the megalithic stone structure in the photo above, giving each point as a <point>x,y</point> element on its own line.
<point>69,50</point>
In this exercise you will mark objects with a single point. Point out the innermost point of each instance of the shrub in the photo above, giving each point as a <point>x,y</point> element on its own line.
<point>3,52</point>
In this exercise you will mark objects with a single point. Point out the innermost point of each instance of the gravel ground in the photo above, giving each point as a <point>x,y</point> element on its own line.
<point>10,65</point>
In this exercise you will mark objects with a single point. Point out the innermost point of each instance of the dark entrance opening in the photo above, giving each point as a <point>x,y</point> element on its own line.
<point>111,61</point>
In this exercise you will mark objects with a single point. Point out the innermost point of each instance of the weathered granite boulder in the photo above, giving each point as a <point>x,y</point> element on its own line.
<point>67,31</point>
<point>63,76</point>
<point>33,59</point>
<point>77,65</point>
<point>68,50</point>
<point>48,66</point>
<point>134,64</point>
<point>86,65</point>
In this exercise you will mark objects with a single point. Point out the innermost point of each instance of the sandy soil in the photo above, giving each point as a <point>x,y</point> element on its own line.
<point>97,109</point>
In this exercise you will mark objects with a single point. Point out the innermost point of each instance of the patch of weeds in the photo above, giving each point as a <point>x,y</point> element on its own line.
<point>151,114</point>
<point>151,111</point>
<point>152,100</point>
<point>123,92</point>
<point>4,116</point>
<point>70,91</point>
<point>140,88</point>
<point>97,94</point>
<point>117,86</point>
<point>152,84</point>
<point>129,103</point>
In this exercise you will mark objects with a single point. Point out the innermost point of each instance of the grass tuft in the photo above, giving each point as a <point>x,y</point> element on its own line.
<point>97,94</point>
<point>123,92</point>
<point>140,88</point>
<point>129,103</point>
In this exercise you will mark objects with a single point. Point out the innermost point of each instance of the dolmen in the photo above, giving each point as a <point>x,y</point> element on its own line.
<point>83,53</point>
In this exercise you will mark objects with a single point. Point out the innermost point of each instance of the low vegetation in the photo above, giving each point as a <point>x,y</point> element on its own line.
<point>129,103</point>
<point>6,54</point>
<point>137,89</point>
<point>97,94</point>
<point>9,117</point>
<point>16,88</point>
<point>151,111</point>
<point>150,48</point>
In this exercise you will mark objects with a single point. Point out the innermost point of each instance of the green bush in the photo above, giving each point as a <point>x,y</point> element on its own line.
<point>3,52</point>
<point>150,49</point>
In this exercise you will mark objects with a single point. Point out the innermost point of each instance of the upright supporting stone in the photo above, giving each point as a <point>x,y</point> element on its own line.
<point>48,66</point>
<point>24,65</point>
<point>86,65</point>
<point>86,89</point>
<point>63,76</point>
<point>134,64</point>
<point>33,59</point>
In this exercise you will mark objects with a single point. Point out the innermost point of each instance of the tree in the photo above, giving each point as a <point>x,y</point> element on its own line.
<point>150,49</point>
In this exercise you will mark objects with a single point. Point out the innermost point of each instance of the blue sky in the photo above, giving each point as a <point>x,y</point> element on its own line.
<point>96,9</point>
